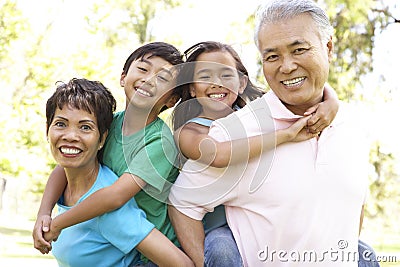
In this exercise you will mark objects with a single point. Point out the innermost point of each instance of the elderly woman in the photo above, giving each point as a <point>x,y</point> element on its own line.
<point>79,115</point>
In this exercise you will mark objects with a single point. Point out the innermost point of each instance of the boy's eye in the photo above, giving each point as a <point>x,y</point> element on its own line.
<point>142,69</point>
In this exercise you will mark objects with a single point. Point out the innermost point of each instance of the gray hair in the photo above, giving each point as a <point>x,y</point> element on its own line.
<point>277,10</point>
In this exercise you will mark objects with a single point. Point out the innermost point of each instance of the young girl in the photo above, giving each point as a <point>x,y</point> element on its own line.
<point>216,83</point>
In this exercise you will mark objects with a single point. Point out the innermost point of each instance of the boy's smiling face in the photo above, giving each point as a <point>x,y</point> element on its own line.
<point>148,84</point>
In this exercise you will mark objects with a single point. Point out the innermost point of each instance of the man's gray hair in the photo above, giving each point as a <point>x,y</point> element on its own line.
<point>278,10</point>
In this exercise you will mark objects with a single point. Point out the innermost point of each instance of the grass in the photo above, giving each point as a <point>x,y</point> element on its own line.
<point>16,245</point>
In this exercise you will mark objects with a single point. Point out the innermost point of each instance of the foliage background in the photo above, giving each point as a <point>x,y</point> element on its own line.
<point>45,41</point>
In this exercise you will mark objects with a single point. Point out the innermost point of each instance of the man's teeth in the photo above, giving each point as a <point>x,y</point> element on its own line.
<point>293,81</point>
<point>217,95</point>
<point>70,150</point>
<point>143,92</point>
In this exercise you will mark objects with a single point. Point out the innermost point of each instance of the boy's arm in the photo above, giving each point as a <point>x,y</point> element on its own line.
<point>323,113</point>
<point>54,189</point>
<point>104,200</point>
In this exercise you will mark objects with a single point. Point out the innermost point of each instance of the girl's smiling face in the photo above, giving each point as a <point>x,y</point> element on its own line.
<point>216,83</point>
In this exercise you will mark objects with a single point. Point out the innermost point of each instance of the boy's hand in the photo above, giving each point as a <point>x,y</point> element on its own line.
<point>52,234</point>
<point>42,225</point>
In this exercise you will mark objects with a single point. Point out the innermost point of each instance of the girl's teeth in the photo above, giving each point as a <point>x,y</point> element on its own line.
<point>216,95</point>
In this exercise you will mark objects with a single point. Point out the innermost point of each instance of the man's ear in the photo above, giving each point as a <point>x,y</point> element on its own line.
<point>330,47</point>
<point>172,100</point>
<point>122,79</point>
<point>243,83</point>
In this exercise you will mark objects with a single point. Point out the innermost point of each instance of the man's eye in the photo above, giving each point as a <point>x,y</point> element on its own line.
<point>271,58</point>
<point>300,50</point>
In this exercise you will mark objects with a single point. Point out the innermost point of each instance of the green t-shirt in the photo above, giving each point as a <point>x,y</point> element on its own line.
<point>151,155</point>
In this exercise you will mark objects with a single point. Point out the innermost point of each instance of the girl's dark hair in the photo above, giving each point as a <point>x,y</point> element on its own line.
<point>186,111</point>
<point>83,94</point>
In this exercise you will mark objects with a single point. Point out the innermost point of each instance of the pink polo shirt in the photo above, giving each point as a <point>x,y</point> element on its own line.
<point>298,205</point>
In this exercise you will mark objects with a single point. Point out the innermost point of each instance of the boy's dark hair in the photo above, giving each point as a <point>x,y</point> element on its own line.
<point>186,111</point>
<point>83,94</point>
<point>163,50</point>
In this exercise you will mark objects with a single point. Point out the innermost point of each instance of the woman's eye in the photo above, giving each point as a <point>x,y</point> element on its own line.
<point>142,69</point>
<point>86,127</point>
<point>59,124</point>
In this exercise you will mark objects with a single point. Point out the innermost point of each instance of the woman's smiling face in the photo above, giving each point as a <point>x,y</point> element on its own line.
<point>74,137</point>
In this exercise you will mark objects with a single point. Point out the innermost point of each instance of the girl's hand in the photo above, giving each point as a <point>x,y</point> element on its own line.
<point>297,132</point>
<point>323,113</point>
<point>42,225</point>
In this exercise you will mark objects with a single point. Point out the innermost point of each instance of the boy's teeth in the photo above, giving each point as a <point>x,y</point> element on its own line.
<point>143,92</point>
<point>217,95</point>
<point>70,150</point>
<point>293,81</point>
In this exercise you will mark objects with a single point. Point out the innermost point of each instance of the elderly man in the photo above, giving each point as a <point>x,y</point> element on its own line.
<point>302,204</point>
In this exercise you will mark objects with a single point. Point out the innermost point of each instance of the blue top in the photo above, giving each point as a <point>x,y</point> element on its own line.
<point>217,218</point>
<point>106,240</point>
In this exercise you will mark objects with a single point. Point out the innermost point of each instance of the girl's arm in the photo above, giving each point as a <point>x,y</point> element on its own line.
<point>323,113</point>
<point>54,189</point>
<point>102,201</point>
<point>200,146</point>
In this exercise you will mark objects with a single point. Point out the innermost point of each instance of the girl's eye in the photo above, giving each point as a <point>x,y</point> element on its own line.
<point>203,77</point>
<point>142,69</point>
<point>163,79</point>
<point>228,75</point>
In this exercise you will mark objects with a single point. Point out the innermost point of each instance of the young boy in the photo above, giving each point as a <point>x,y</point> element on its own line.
<point>139,148</point>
